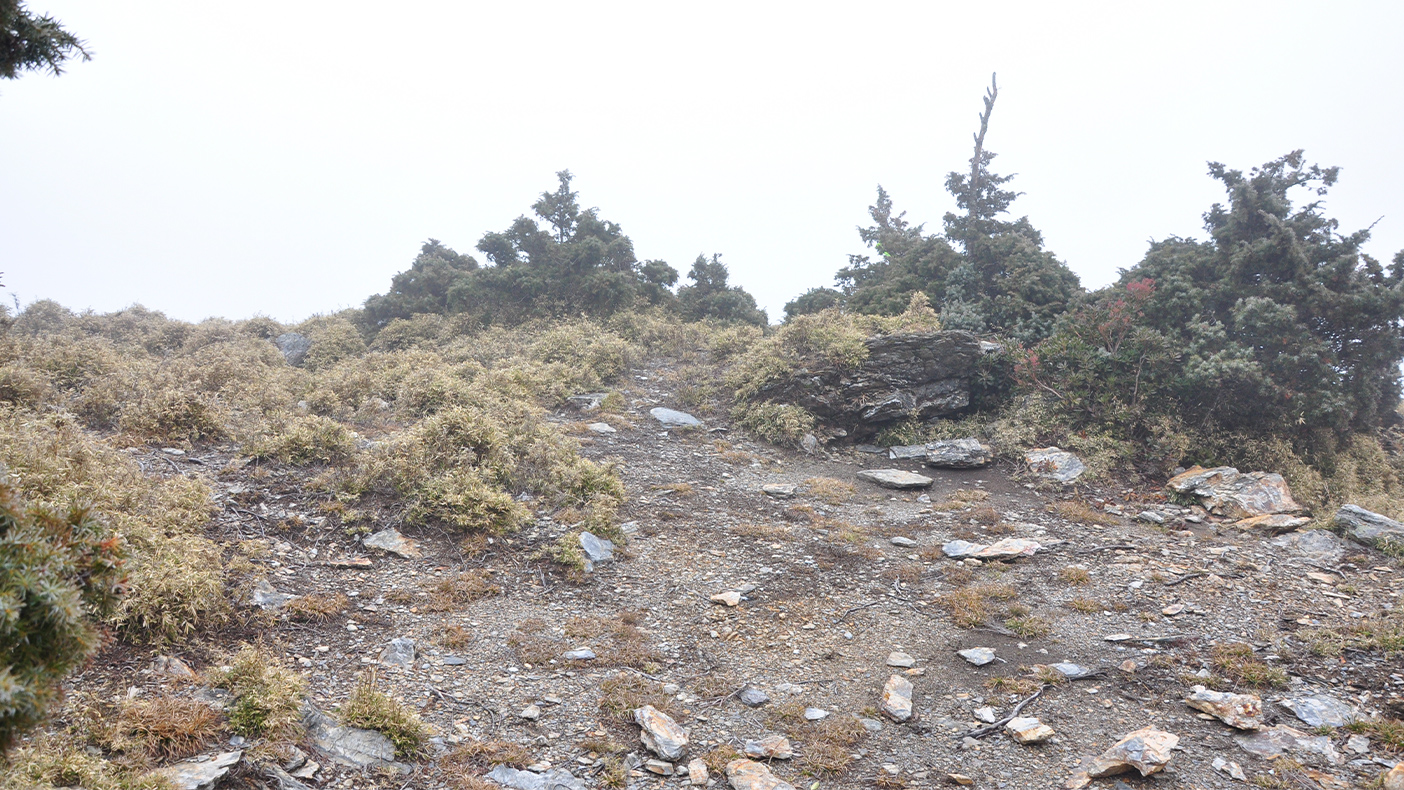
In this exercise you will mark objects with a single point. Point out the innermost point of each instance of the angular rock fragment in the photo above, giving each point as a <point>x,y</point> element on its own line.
<point>1070,671</point>
<point>1394,779</point>
<point>1147,751</point>
<point>957,454</point>
<point>815,714</point>
<point>1026,729</point>
<point>753,697</point>
<point>1233,769</point>
<point>895,478</point>
<point>904,542</point>
<point>1367,527</point>
<point>390,540</point>
<point>172,667</point>
<point>899,659</point>
<point>596,549</point>
<point>775,747</point>
<point>751,775</point>
<point>601,428</point>
<point>350,746</point>
<point>1273,523</point>
<point>199,773</point>
<point>961,548</point>
<point>1271,742</point>
<point>897,698</point>
<point>1227,492</point>
<point>1242,711</point>
<point>267,598</point>
<point>1316,545</point>
<point>778,490</point>
<point>660,734</point>
<point>1320,710</point>
<point>399,653</point>
<point>294,347</point>
<point>1055,464</point>
<point>674,419</point>
<point>979,656</point>
<point>697,774</point>
<point>554,779</point>
<point>659,767</point>
<point>729,598</point>
<point>579,654</point>
<point>1008,548</point>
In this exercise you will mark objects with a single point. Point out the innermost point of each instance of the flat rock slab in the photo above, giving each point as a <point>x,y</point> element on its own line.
<point>390,540</point>
<point>601,428</point>
<point>906,543</point>
<point>957,454</point>
<point>554,779</point>
<point>899,659</point>
<point>579,654</point>
<point>265,597</point>
<point>1273,523</point>
<point>979,656</point>
<point>1051,463</point>
<point>895,478</point>
<point>1320,710</point>
<point>200,773</point>
<point>753,697</point>
<point>1315,545</point>
<point>596,549</point>
<point>1242,711</point>
<point>349,746</point>
<point>1368,527</point>
<point>778,490</point>
<point>673,418</point>
<point>1228,492</point>
<point>399,653</point>
<point>897,698</point>
<point>1008,548</point>
<point>1026,729</point>
<point>660,734</point>
<point>961,548</point>
<point>1146,751</point>
<point>751,775</point>
<point>728,598</point>
<point>1275,741</point>
<point>771,747</point>
<point>1070,671</point>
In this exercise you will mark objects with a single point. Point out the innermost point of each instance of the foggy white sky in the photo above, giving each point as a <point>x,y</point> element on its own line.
<point>288,158</point>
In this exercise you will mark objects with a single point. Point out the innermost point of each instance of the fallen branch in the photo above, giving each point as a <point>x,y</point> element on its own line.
<point>1186,577</point>
<point>845,615</point>
<point>1125,546</point>
<point>1013,714</point>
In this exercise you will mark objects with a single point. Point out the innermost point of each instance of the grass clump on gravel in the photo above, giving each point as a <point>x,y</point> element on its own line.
<point>1235,661</point>
<point>267,697</point>
<point>372,709</point>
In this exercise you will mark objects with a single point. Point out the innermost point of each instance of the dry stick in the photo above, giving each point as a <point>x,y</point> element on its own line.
<point>1186,577</point>
<point>1013,714</point>
<point>844,616</point>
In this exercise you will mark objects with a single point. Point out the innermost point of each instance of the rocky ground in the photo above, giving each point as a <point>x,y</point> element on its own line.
<point>840,585</point>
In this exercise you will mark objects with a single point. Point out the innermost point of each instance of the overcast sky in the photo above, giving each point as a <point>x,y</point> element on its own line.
<point>288,158</point>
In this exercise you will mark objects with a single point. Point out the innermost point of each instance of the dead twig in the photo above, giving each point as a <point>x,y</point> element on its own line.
<point>845,615</point>
<point>1013,714</point>
<point>1186,577</point>
<point>1124,546</point>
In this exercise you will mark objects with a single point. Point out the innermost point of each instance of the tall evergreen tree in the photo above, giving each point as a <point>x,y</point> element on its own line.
<point>710,296</point>
<point>34,43</point>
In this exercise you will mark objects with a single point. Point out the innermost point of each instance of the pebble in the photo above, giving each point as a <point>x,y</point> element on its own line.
<point>579,654</point>
<point>399,653</point>
<point>898,540</point>
<point>778,490</point>
<point>601,427</point>
<point>659,767</point>
<point>753,697</point>
<point>986,714</point>
<point>814,714</point>
<point>729,598</point>
<point>751,775</point>
<point>530,713</point>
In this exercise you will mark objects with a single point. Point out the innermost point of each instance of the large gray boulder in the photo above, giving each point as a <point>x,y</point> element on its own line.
<point>922,375</point>
<point>1368,527</point>
<point>1226,491</point>
<point>294,347</point>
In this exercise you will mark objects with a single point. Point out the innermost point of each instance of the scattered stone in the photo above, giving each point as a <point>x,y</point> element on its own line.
<point>530,713</point>
<point>1358,744</point>
<point>1146,750</point>
<point>1394,779</point>
<point>596,549</point>
<point>895,478</point>
<point>1315,545</point>
<point>390,540</point>
<point>1150,517</point>
<point>1026,729</point>
<point>674,419</point>
<point>587,401</point>
<point>959,779</point>
<point>960,548</point>
<point>751,775</point>
<point>775,747</point>
<point>979,656</point>
<point>899,659</point>
<point>1054,464</point>
<point>659,767</point>
<point>1320,710</point>
<point>172,667</point>
<point>399,653</point>
<point>957,454</point>
<point>1324,578</point>
<point>1173,609</point>
<point>1128,666</point>
<point>601,428</point>
<point>986,714</point>
<point>349,746</point>
<point>1367,527</point>
<point>267,598</point>
<point>294,347</point>
<point>778,490</point>
<point>1273,523</point>
<point>1008,549</point>
<point>871,725</point>
<point>815,714</point>
<point>753,697</point>
<point>579,654</point>
<point>1271,742</point>
<point>200,772</point>
<point>1070,671</point>
<point>897,698</point>
<point>553,779</point>
<point>790,688</point>
<point>1225,491</point>
<point>730,598</point>
<point>1234,770</point>
<point>1243,711</point>
<point>660,734</point>
<point>697,774</point>
<point>454,661</point>
<point>906,543</point>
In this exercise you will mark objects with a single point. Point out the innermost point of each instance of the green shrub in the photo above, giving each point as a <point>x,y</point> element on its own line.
<point>775,423</point>
<point>305,440</point>
<point>267,697</point>
<point>58,571</point>
<point>373,709</point>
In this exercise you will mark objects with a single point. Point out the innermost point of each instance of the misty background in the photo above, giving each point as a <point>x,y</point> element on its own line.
<point>289,158</point>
